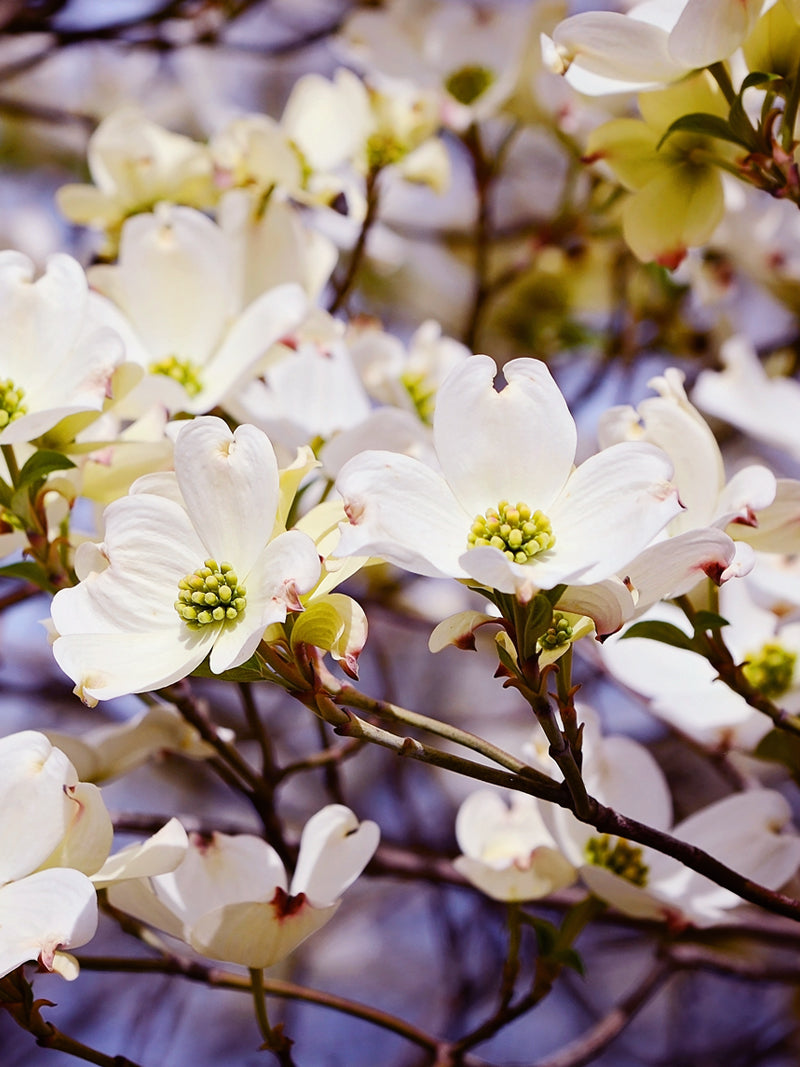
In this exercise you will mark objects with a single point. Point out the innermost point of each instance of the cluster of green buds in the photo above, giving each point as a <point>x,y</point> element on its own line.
<point>620,857</point>
<point>771,670</point>
<point>210,594</point>
<point>518,532</point>
<point>11,406</point>
<point>182,371</point>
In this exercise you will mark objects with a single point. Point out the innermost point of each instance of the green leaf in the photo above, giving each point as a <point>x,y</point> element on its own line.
<point>742,126</point>
<point>249,671</point>
<point>664,632</point>
<point>707,125</point>
<point>538,617</point>
<point>546,934</point>
<point>27,572</point>
<point>40,464</point>
<point>568,957</point>
<point>756,78</point>
<point>708,620</point>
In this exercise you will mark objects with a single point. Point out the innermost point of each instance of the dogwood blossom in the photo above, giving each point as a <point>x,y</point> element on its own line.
<point>654,44</point>
<point>55,836</point>
<point>188,569</point>
<point>57,359</point>
<point>135,164</point>
<point>231,900</point>
<point>508,852</point>
<point>176,297</point>
<point>507,510</point>
<point>750,832</point>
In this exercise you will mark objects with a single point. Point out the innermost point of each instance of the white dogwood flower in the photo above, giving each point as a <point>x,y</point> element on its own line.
<point>56,360</point>
<point>507,510</point>
<point>231,900</point>
<point>508,853</point>
<point>189,568</point>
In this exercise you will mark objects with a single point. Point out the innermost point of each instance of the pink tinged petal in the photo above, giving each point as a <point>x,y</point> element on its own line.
<point>672,567</point>
<point>334,850</point>
<point>778,527</point>
<point>230,484</point>
<point>36,810</point>
<point>709,30</point>
<point>87,841</point>
<point>404,512</point>
<point>288,567</point>
<point>748,492</point>
<point>256,934</point>
<point>613,505</point>
<point>458,630</point>
<point>617,47</point>
<point>542,872</point>
<point>217,870</point>
<point>44,912</point>
<point>270,317</point>
<point>157,855</point>
<point>107,665</point>
<point>517,444</point>
<point>150,545</point>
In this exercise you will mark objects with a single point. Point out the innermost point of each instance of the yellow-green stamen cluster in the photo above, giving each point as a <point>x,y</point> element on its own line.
<point>422,392</point>
<point>11,406</point>
<point>518,532</point>
<point>384,150</point>
<point>771,669</point>
<point>182,371</point>
<point>212,593</point>
<point>468,83</point>
<point>559,634</point>
<point>620,857</point>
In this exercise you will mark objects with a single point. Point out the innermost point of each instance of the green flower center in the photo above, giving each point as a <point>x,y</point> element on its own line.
<point>383,150</point>
<point>771,669</point>
<point>11,406</point>
<point>559,634</point>
<point>468,83</point>
<point>212,593</point>
<point>422,392</point>
<point>182,371</point>
<point>518,532</point>
<point>620,857</point>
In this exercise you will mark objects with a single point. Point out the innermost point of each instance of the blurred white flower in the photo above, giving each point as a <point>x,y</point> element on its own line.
<point>508,852</point>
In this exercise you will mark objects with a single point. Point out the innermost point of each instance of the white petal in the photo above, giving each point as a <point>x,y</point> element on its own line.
<point>612,507</point>
<point>230,484</point>
<point>157,855</point>
<point>748,492</point>
<point>87,841</point>
<point>404,512</point>
<point>672,567</point>
<point>36,813</point>
<point>334,850</point>
<point>219,870</point>
<point>544,871</point>
<point>255,935</point>
<point>43,912</point>
<point>711,30</point>
<point>107,665</point>
<point>268,319</point>
<point>618,47</point>
<point>516,445</point>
